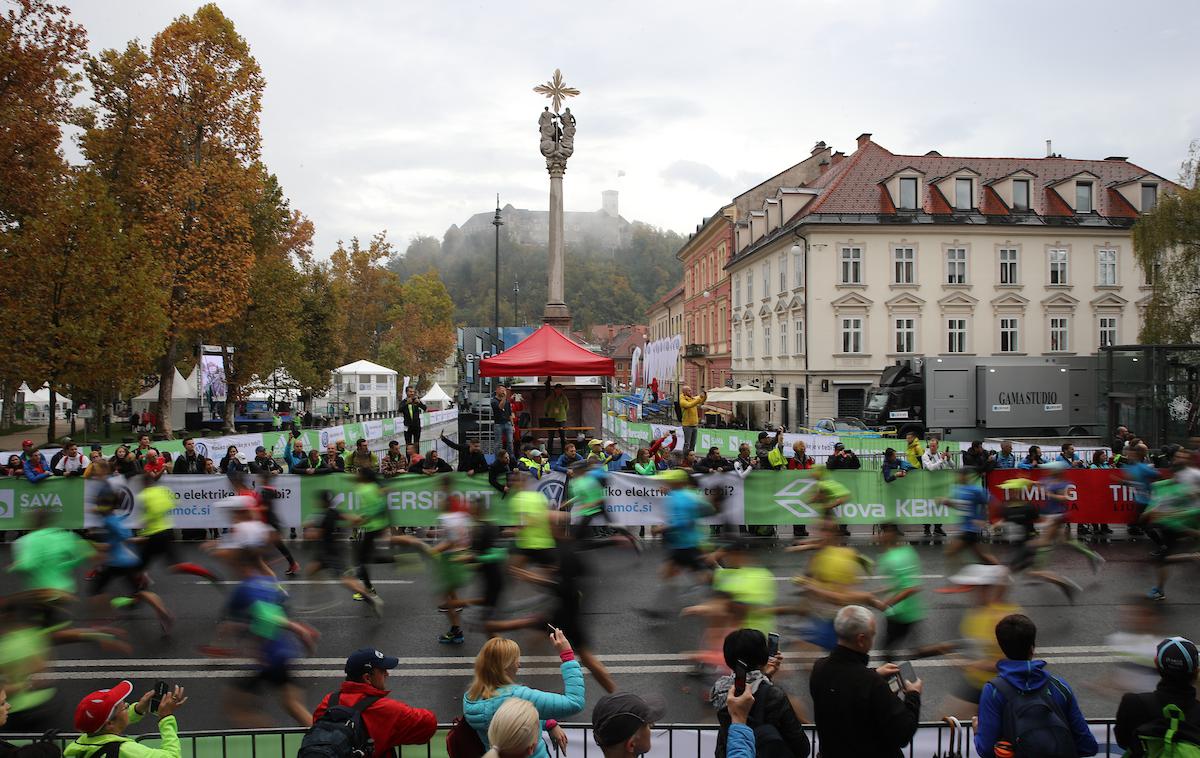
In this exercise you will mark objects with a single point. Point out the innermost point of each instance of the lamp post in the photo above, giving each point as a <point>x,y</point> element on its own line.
<point>516,293</point>
<point>496,222</point>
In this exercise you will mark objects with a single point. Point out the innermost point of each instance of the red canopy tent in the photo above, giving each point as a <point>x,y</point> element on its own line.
<point>547,352</point>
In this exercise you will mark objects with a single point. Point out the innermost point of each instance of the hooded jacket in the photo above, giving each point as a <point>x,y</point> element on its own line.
<point>771,706</point>
<point>389,722</point>
<point>1028,676</point>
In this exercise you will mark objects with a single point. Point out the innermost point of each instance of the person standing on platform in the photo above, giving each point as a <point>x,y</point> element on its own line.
<point>556,410</point>
<point>412,408</point>
<point>689,405</point>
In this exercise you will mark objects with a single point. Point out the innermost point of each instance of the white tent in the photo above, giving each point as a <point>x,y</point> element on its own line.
<point>436,395</point>
<point>184,397</point>
<point>40,401</point>
<point>743,394</point>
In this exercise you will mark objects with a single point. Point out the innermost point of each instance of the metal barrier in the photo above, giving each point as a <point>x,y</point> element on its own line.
<point>939,739</point>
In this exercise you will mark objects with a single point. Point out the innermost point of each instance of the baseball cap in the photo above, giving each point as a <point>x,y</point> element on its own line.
<point>675,476</point>
<point>364,660</point>
<point>838,446</point>
<point>26,443</point>
<point>260,449</point>
<point>535,453</point>
<point>607,443</point>
<point>1176,655</point>
<point>96,709</point>
<point>618,716</point>
<point>594,442</point>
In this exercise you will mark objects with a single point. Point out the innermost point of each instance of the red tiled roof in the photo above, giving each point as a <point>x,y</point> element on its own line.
<point>1119,206</point>
<point>885,200</point>
<point>992,205</point>
<point>850,186</point>
<point>935,201</point>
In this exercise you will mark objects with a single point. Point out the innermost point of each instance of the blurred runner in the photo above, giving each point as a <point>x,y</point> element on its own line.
<point>325,534</point>
<point>972,502</point>
<point>681,537</point>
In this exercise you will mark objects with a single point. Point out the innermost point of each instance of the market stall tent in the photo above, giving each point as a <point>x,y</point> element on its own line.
<point>436,395</point>
<point>185,397</point>
<point>547,352</point>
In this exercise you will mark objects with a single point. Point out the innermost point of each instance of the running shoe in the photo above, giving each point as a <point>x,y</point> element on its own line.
<point>361,597</point>
<point>938,531</point>
<point>292,569</point>
<point>1157,594</point>
<point>375,604</point>
<point>1097,561</point>
<point>451,638</point>
<point>1070,589</point>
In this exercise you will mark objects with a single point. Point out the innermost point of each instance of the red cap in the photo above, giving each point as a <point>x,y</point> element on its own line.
<point>26,443</point>
<point>96,709</point>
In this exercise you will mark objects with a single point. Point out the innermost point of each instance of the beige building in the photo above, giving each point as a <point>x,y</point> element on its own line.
<point>665,319</point>
<point>885,257</point>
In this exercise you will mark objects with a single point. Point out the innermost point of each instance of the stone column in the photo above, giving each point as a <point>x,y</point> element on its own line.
<point>556,313</point>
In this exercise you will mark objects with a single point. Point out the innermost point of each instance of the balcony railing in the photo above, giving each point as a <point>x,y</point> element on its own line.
<point>695,351</point>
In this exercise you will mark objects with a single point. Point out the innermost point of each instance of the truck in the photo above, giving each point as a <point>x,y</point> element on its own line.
<point>964,398</point>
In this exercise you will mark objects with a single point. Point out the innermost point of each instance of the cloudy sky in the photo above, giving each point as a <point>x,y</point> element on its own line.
<point>410,116</point>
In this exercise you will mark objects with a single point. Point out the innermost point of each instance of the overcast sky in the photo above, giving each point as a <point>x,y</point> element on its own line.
<point>411,116</point>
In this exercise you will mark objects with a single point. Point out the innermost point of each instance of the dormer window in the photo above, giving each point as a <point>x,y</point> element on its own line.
<point>1083,197</point>
<point>908,193</point>
<point>1149,197</point>
<point>962,195</point>
<point>1020,194</point>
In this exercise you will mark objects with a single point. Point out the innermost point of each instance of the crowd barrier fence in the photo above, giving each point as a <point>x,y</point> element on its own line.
<point>939,739</point>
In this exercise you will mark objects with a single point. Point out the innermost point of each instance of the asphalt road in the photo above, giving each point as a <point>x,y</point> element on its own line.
<point>643,654</point>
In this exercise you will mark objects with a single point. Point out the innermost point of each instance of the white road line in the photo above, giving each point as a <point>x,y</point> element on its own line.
<point>1088,651</point>
<point>873,576</point>
<point>287,582</point>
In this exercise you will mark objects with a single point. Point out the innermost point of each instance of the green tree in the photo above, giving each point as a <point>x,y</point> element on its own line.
<point>1166,242</point>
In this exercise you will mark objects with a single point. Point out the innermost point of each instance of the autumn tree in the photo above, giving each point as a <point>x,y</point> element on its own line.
<point>200,140</point>
<point>423,335</point>
<point>263,333</point>
<point>1166,241</point>
<point>40,49</point>
<point>366,291</point>
<point>316,315</point>
<point>79,271</point>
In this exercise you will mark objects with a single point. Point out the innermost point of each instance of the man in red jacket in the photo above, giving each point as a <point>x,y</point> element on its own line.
<point>389,722</point>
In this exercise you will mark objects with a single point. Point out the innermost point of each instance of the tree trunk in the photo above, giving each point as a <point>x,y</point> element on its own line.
<point>50,435</point>
<point>229,415</point>
<point>166,385</point>
<point>8,392</point>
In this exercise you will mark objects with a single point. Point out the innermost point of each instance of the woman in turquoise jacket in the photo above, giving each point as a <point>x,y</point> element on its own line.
<point>496,669</point>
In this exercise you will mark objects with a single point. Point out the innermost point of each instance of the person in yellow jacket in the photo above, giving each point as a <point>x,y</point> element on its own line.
<point>913,451</point>
<point>103,715</point>
<point>689,405</point>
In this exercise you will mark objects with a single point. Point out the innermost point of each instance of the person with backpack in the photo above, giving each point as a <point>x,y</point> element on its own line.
<point>103,716</point>
<point>360,715</point>
<point>848,695</point>
<point>1028,708</point>
<point>778,730</point>
<point>1143,718</point>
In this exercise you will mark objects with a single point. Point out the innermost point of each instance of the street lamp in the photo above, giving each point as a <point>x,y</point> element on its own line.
<point>516,292</point>
<point>496,222</point>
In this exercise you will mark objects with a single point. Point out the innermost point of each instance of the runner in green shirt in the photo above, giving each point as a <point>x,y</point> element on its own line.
<point>47,556</point>
<point>750,589</point>
<point>901,602</point>
<point>374,520</point>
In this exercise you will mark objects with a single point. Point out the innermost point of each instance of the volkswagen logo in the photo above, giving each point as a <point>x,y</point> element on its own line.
<point>553,490</point>
<point>324,438</point>
<point>201,448</point>
<point>125,499</point>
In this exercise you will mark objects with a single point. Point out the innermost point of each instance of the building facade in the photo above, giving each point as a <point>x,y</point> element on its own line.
<point>885,257</point>
<point>665,319</point>
<point>706,355</point>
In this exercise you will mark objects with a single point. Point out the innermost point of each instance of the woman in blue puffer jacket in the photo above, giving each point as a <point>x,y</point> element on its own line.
<point>495,671</point>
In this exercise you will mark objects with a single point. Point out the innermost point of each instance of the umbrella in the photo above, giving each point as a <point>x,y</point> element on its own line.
<point>742,394</point>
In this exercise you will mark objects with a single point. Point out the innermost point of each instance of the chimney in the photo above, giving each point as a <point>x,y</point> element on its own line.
<point>1049,150</point>
<point>863,139</point>
<point>818,147</point>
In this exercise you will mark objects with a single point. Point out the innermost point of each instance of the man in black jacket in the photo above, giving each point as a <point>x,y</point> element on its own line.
<point>843,458</point>
<point>189,462</point>
<point>847,695</point>
<point>498,472</point>
<point>412,408</point>
<point>470,457</point>
<point>713,462</point>
<point>1176,661</point>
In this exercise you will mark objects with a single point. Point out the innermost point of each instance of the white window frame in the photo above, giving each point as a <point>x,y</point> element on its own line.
<point>766,275</point>
<point>766,339</point>
<point>798,337</point>
<point>1153,189</point>
<point>850,262</point>
<point>851,332</point>
<point>749,339</point>
<point>1109,325</point>
<point>956,268</point>
<point>1059,327</point>
<point>956,334</point>
<point>1028,198</point>
<point>908,263</point>
<point>960,196</point>
<point>916,194</point>
<point>1091,197</point>
<point>783,272</point>
<point>749,287</point>
<point>783,343</point>
<point>1014,263</point>
<point>904,333</point>
<point>798,275</point>
<point>737,341</point>
<point>1010,328</point>
<point>737,290</point>
<point>1059,267</point>
<point>1107,269</point>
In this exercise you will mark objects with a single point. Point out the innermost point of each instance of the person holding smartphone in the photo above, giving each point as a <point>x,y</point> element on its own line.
<point>775,718</point>
<point>104,715</point>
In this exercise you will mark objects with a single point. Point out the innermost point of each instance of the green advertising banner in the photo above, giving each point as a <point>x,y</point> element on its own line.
<point>784,497</point>
<point>19,499</point>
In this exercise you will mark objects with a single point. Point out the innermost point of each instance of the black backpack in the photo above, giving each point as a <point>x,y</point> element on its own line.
<point>340,732</point>
<point>768,740</point>
<point>1034,723</point>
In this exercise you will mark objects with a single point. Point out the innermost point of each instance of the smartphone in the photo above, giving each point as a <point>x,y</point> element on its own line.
<point>739,678</point>
<point>161,689</point>
<point>907,673</point>
<point>552,629</point>
<point>772,645</point>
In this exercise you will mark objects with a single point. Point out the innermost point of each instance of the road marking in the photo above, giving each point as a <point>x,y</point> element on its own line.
<point>286,582</point>
<point>874,576</point>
